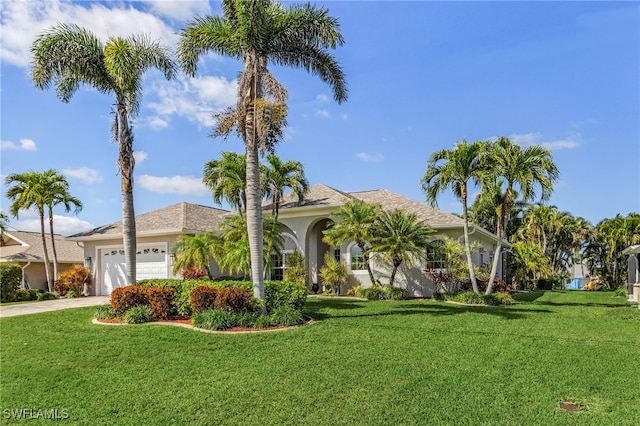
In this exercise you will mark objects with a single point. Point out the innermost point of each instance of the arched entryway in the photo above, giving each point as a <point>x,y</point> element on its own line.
<point>316,249</point>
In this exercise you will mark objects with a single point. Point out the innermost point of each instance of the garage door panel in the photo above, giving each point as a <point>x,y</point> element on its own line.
<point>151,262</point>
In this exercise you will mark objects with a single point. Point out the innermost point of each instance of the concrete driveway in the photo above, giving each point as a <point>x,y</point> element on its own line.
<point>51,305</point>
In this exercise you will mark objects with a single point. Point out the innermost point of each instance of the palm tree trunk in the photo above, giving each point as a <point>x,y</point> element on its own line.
<point>494,266</point>
<point>53,246</point>
<point>126,164</point>
<point>396,265</point>
<point>467,243</point>
<point>47,266</point>
<point>366,262</point>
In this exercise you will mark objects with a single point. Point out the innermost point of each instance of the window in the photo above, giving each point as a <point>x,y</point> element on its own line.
<point>336,254</point>
<point>436,256</point>
<point>277,266</point>
<point>357,259</point>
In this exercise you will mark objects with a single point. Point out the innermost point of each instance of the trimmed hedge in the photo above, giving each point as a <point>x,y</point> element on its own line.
<point>159,300</point>
<point>203,298</point>
<point>277,293</point>
<point>234,299</point>
<point>10,280</point>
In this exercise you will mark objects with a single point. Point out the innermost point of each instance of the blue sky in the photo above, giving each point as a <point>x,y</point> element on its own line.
<point>421,76</point>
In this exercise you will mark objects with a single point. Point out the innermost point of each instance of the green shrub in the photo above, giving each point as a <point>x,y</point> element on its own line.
<point>71,294</point>
<point>47,296</point>
<point>246,319</point>
<point>504,298</point>
<point>263,321</point>
<point>354,291</point>
<point>280,293</point>
<point>138,315</point>
<point>545,284</point>
<point>214,319</point>
<point>438,296</point>
<point>182,291</point>
<point>10,280</point>
<point>375,292</point>
<point>105,312</point>
<point>26,295</point>
<point>203,298</point>
<point>620,291</point>
<point>125,298</point>
<point>286,315</point>
<point>395,293</point>
<point>233,299</point>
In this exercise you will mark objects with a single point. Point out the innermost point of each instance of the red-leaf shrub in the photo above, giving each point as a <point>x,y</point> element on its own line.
<point>61,287</point>
<point>234,299</point>
<point>203,298</point>
<point>74,278</point>
<point>160,301</point>
<point>124,298</point>
<point>192,273</point>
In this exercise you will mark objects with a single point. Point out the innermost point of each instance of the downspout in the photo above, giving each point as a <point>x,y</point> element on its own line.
<point>24,283</point>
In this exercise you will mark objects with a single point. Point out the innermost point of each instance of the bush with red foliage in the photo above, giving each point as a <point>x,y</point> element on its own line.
<point>234,299</point>
<point>125,298</point>
<point>74,278</point>
<point>160,301</point>
<point>203,298</point>
<point>192,273</point>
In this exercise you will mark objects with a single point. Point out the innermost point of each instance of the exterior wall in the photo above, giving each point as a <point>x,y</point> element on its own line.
<point>36,276</point>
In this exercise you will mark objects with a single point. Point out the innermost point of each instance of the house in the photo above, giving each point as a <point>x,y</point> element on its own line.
<point>25,249</point>
<point>633,271</point>
<point>157,232</point>
<point>303,227</point>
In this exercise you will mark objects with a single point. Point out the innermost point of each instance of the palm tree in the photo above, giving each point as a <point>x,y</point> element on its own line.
<point>227,179</point>
<point>398,237</point>
<point>355,221</point>
<point>69,55</point>
<point>3,222</point>
<point>279,175</point>
<point>258,33</point>
<point>521,170</point>
<point>29,190</point>
<point>235,254</point>
<point>454,169</point>
<point>58,193</point>
<point>333,273</point>
<point>196,251</point>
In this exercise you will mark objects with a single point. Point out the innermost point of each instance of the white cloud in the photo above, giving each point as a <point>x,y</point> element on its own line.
<point>181,10</point>
<point>181,185</point>
<point>370,157</point>
<point>195,99</point>
<point>156,123</point>
<point>84,174</point>
<point>140,156</point>
<point>24,145</point>
<point>322,113</point>
<point>65,225</point>
<point>322,98</point>
<point>536,138</point>
<point>22,21</point>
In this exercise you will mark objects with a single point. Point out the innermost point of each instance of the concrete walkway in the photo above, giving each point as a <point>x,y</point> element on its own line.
<point>51,305</point>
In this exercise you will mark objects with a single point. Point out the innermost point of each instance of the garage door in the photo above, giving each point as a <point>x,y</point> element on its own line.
<point>151,262</point>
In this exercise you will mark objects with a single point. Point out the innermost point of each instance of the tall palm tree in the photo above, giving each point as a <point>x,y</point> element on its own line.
<point>69,55</point>
<point>278,176</point>
<point>521,170</point>
<point>227,179</point>
<point>355,221</point>
<point>58,194</point>
<point>259,33</point>
<point>196,251</point>
<point>29,190</point>
<point>399,237</point>
<point>455,169</point>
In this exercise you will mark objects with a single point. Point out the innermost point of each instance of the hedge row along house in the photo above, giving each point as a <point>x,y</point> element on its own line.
<point>304,225</point>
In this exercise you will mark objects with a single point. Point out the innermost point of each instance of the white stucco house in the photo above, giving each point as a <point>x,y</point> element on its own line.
<point>633,271</point>
<point>303,226</point>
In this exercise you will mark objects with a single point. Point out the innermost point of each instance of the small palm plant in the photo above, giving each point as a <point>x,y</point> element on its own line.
<point>333,273</point>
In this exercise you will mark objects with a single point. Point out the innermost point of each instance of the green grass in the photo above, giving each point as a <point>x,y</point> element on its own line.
<point>378,363</point>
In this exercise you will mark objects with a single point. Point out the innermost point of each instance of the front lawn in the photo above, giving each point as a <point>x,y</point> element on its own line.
<point>362,362</point>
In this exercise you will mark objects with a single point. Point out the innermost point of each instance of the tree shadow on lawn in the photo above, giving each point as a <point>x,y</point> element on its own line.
<point>425,308</point>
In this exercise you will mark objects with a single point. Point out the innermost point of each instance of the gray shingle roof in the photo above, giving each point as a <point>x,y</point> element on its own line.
<point>32,250</point>
<point>323,195</point>
<point>176,218</point>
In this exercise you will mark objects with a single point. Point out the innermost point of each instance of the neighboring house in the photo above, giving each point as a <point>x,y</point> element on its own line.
<point>303,224</point>
<point>157,232</point>
<point>25,249</point>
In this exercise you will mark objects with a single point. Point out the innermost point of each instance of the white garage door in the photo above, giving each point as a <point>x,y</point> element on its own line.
<point>151,262</point>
